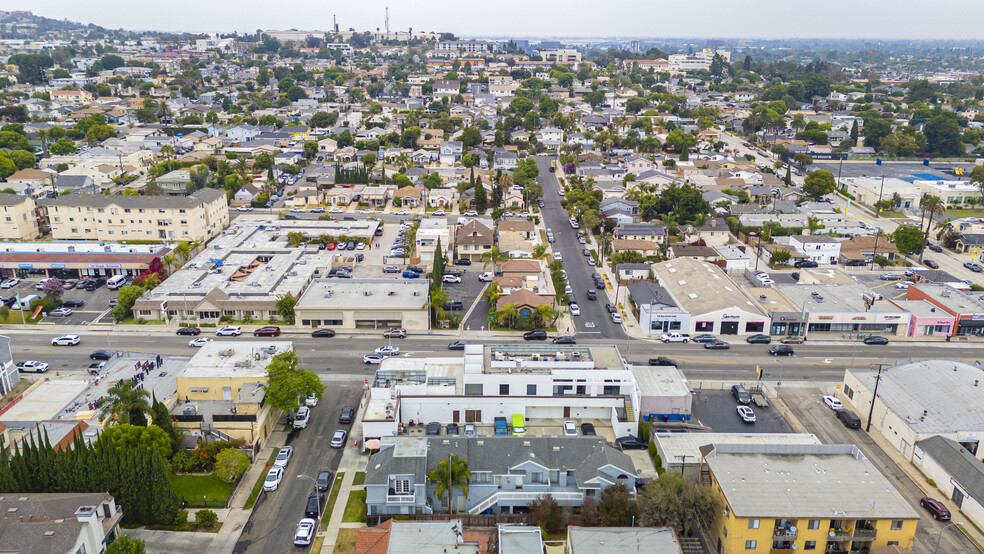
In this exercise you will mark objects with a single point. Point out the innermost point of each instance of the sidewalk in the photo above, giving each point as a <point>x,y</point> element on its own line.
<point>353,461</point>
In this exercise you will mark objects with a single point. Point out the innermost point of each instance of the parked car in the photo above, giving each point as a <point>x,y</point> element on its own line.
<point>485,277</point>
<point>390,269</point>
<point>832,402</point>
<point>230,331</point>
<point>323,333</point>
<point>759,339</point>
<point>746,414</point>
<point>66,340</point>
<point>567,339</point>
<point>588,430</point>
<point>704,338</point>
<point>630,443</point>
<point>193,331</point>
<point>535,335</point>
<point>849,419</point>
<point>935,248</point>
<point>302,417</point>
<point>805,263</point>
<point>311,401</point>
<point>570,429</point>
<point>314,504</point>
<point>792,340</point>
<point>889,277</point>
<point>781,350</point>
<point>273,478</point>
<point>453,429</point>
<point>33,366</point>
<point>433,428</point>
<point>9,283</point>
<point>347,415</point>
<point>61,312</point>
<point>935,508</point>
<point>462,261</point>
<point>270,331</point>
<point>395,333</point>
<point>72,303</point>
<point>575,309</point>
<point>740,394</point>
<point>931,264</point>
<point>451,279</point>
<point>469,430</point>
<point>875,339</point>
<point>284,456</point>
<point>338,439</point>
<point>323,480</point>
<point>457,345</point>
<point>662,361</point>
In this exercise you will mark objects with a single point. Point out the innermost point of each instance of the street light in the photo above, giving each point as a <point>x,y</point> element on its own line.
<point>317,493</point>
<point>940,535</point>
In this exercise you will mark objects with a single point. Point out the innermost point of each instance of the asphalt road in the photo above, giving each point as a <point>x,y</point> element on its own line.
<point>594,321</point>
<point>274,518</point>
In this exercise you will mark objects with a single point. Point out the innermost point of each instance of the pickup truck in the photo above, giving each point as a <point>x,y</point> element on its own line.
<point>675,337</point>
<point>500,426</point>
<point>96,367</point>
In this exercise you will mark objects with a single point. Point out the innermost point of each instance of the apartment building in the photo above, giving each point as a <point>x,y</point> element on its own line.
<point>20,222</point>
<point>200,216</point>
<point>561,56</point>
<point>789,498</point>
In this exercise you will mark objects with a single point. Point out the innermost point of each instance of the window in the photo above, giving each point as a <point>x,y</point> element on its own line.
<point>202,390</point>
<point>849,392</point>
<point>704,327</point>
<point>675,326</point>
<point>754,327</point>
<point>724,531</point>
<point>530,390</point>
<point>612,390</point>
<point>753,524</point>
<point>896,524</point>
<point>892,543</point>
<point>504,389</point>
<point>813,524</point>
<point>751,545</point>
<point>810,545</point>
<point>402,486</point>
<point>560,390</point>
<point>144,312</point>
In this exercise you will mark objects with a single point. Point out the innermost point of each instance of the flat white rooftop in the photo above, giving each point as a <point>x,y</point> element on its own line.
<point>234,358</point>
<point>45,401</point>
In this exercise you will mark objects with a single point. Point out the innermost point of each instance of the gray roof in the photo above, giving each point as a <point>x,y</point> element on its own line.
<point>960,464</point>
<point>640,229</point>
<point>146,202</point>
<point>7,199</point>
<point>607,540</point>
<point>647,293</point>
<point>23,530</point>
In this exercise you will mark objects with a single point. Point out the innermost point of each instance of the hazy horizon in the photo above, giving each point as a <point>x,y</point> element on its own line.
<point>628,19</point>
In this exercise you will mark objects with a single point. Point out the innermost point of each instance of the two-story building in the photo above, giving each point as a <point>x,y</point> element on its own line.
<point>473,240</point>
<point>451,151</point>
<point>641,231</point>
<point>818,248</point>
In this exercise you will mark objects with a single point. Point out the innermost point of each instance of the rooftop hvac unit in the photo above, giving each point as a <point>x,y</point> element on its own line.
<point>190,410</point>
<point>367,292</point>
<point>227,352</point>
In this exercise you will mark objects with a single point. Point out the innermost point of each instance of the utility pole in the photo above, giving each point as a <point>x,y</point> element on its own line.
<point>683,458</point>
<point>874,395</point>
<point>880,191</point>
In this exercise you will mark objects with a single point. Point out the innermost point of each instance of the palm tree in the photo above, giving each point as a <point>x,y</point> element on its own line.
<point>494,255</point>
<point>930,203</point>
<point>770,228</point>
<point>403,161</point>
<point>222,168</point>
<point>43,136</point>
<point>450,474</point>
<point>124,402</point>
<point>813,224</point>
<point>169,260</point>
<point>168,151</point>
<point>545,314</point>
<point>242,167</point>
<point>670,221</point>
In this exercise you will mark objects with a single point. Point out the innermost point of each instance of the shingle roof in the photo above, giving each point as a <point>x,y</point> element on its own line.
<point>962,466</point>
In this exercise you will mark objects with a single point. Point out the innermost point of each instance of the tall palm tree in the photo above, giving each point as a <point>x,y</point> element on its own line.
<point>242,167</point>
<point>931,203</point>
<point>450,474</point>
<point>43,136</point>
<point>770,228</point>
<point>403,161</point>
<point>814,225</point>
<point>494,256</point>
<point>124,402</point>
<point>168,152</point>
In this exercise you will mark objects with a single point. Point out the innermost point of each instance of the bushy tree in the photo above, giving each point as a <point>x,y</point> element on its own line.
<point>616,507</point>
<point>287,384</point>
<point>230,464</point>
<point>678,502</point>
<point>819,183</point>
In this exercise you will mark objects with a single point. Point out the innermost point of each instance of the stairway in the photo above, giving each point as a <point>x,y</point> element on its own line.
<point>629,412</point>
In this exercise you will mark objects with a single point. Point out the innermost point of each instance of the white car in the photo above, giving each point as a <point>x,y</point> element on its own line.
<point>230,331</point>
<point>452,279</point>
<point>199,342</point>
<point>616,318</point>
<point>366,212</point>
<point>9,283</point>
<point>485,277</point>
<point>524,214</point>
<point>832,402</point>
<point>582,240</point>
<point>273,478</point>
<point>302,418</point>
<point>335,211</point>
<point>575,309</point>
<point>305,532</point>
<point>558,256</point>
<point>746,414</point>
<point>402,212</point>
<point>360,246</point>
<point>311,401</point>
<point>244,209</point>
<point>903,285</point>
<point>373,358</point>
<point>296,211</point>
<point>66,340</point>
<point>570,429</point>
<point>33,366</point>
<point>318,210</point>
<point>471,213</point>
<point>591,261</point>
<point>388,350</point>
<point>284,456</point>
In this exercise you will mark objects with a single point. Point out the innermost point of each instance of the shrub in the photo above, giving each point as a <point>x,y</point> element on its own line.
<point>206,518</point>
<point>644,431</point>
<point>181,518</point>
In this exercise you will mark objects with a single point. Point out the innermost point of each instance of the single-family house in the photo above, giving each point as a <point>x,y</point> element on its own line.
<point>818,248</point>
<point>409,197</point>
<point>521,227</point>
<point>641,231</point>
<point>644,247</point>
<point>714,232</point>
<point>473,240</point>
<point>443,198</point>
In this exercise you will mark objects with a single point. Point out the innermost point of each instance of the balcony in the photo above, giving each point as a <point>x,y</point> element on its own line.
<point>865,534</point>
<point>839,535</point>
<point>783,534</point>
<point>401,498</point>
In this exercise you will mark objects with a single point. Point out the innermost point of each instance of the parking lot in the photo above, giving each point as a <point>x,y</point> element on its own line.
<point>717,410</point>
<point>901,170</point>
<point>96,302</point>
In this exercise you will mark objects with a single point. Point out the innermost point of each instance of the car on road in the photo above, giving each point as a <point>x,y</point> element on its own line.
<point>338,439</point>
<point>73,303</point>
<point>630,443</point>
<point>889,277</point>
<point>792,340</point>
<point>903,285</point>
<point>781,350</point>
<point>849,419</point>
<point>373,358</point>
<point>322,333</point>
<point>323,480</point>
<point>451,279</point>
<point>402,212</point>
<point>9,283</point>
<point>305,532</point>
<point>318,210</point>
<point>296,210</point>
<point>101,355</point>
<point>388,350</point>
<point>662,361</point>
<point>931,264</point>
<point>270,331</point>
<point>284,456</point>
<point>485,277</point>
<point>575,309</point>
<point>199,342</point>
<point>335,211</point>
<point>976,268</point>
<point>311,401</point>
<point>230,331</point>
<point>759,339</point>
<point>535,335</point>
<point>557,256</point>
<point>302,418</point>
<point>936,248</point>
<point>704,338</point>
<point>616,318</point>
<point>347,415</point>
<point>570,429</point>
<point>610,308</point>
<point>366,212</point>
<point>565,340</point>
<point>457,345</point>
<point>395,333</point>
<point>717,345</point>
<point>746,414</point>
<point>876,340</point>
<point>674,337</point>
<point>192,331</point>
<point>244,209</point>
<point>832,402</point>
<point>438,212</point>
<point>32,366</point>
<point>66,340</point>
<point>592,294</point>
<point>273,478</point>
<point>61,312</point>
<point>588,430</point>
<point>935,508</point>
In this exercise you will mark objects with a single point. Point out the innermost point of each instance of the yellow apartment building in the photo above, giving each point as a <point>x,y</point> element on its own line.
<point>19,220</point>
<point>781,499</point>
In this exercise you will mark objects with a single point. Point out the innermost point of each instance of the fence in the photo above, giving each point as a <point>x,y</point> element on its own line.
<point>469,520</point>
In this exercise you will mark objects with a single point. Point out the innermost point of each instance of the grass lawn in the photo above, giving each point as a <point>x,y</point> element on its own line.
<point>355,508</point>
<point>891,215</point>
<point>360,478</point>
<point>958,212</point>
<point>332,497</point>
<point>345,543</point>
<point>133,321</point>
<point>196,488</point>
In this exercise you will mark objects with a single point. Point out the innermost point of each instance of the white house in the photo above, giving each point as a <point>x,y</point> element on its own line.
<point>819,248</point>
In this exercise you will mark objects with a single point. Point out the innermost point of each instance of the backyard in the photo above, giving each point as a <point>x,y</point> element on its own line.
<point>202,490</point>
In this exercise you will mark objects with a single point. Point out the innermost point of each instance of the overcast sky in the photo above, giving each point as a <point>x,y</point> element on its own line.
<point>547,18</point>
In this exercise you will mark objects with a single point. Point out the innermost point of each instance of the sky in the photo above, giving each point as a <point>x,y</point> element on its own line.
<point>912,19</point>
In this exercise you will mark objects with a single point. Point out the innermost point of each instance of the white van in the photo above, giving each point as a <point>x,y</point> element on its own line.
<point>302,418</point>
<point>116,282</point>
<point>25,302</point>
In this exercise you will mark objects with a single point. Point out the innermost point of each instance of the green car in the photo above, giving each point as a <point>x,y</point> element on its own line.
<point>759,339</point>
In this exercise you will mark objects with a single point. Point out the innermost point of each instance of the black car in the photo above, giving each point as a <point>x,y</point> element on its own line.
<point>630,443</point>
<point>805,263</point>
<point>313,507</point>
<point>935,248</point>
<point>457,345</point>
<point>931,264</point>
<point>348,412</point>
<point>83,283</point>
<point>323,333</point>
<point>611,308</point>
<point>535,335</point>
<point>72,303</point>
<point>588,430</point>
<point>324,480</point>
<point>717,345</point>
<point>781,350</point>
<point>95,283</point>
<point>565,340</point>
<point>662,360</point>
<point>194,331</point>
<point>453,305</point>
<point>849,419</point>
<point>416,269</point>
<point>876,340</point>
<point>759,339</point>
<point>453,429</point>
<point>462,261</point>
<point>592,294</point>
<point>101,355</point>
<point>433,428</point>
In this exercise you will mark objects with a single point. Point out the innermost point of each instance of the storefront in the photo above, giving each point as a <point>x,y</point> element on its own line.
<point>868,323</point>
<point>76,260</point>
<point>970,327</point>
<point>733,321</point>
<point>787,324</point>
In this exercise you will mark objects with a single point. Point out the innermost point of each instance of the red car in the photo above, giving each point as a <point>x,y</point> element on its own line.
<point>936,508</point>
<point>267,332</point>
<point>330,246</point>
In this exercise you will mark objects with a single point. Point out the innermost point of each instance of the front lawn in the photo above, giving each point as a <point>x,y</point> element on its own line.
<point>355,508</point>
<point>202,490</point>
<point>332,497</point>
<point>964,212</point>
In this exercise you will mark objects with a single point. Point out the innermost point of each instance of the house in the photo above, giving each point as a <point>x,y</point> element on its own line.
<point>30,181</point>
<point>76,184</point>
<point>638,163</point>
<point>507,473</point>
<point>327,146</point>
<point>473,240</point>
<point>175,183</point>
<point>714,232</point>
<point>60,522</point>
<point>248,193</point>
<point>861,248</point>
<point>522,227</point>
<point>409,197</point>
<point>504,159</point>
<point>970,243</point>
<point>610,207</point>
<point>592,540</point>
<point>525,301</point>
<point>242,133</point>
<point>641,231</point>
<point>443,198</point>
<point>450,152</point>
<point>394,537</point>
<point>703,253</point>
<point>515,246</point>
<point>447,88</point>
<point>376,196</point>
<point>645,247</point>
<point>818,248</point>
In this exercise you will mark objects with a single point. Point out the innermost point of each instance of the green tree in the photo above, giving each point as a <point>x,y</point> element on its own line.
<point>287,384</point>
<point>481,198</point>
<point>126,297</point>
<point>437,273</point>
<point>127,437</point>
<point>285,307</point>
<point>125,544</point>
<point>943,134</point>
<point>678,502</point>
<point>124,403</point>
<point>161,418</point>
<point>206,519</point>
<point>680,141</point>
<point>62,147</point>
<point>977,178</point>
<point>780,257</point>
<point>929,203</point>
<point>230,464</point>
<point>449,475</point>
<point>471,137</point>
<point>819,183</point>
<point>296,238</point>
<point>615,507</point>
<point>908,239</point>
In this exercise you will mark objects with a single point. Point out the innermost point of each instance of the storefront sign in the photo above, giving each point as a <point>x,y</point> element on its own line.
<point>788,319</point>
<point>730,317</point>
<point>977,317</point>
<point>57,266</point>
<point>26,266</point>
<point>892,317</point>
<point>826,318</point>
<point>859,318</point>
<point>105,266</point>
